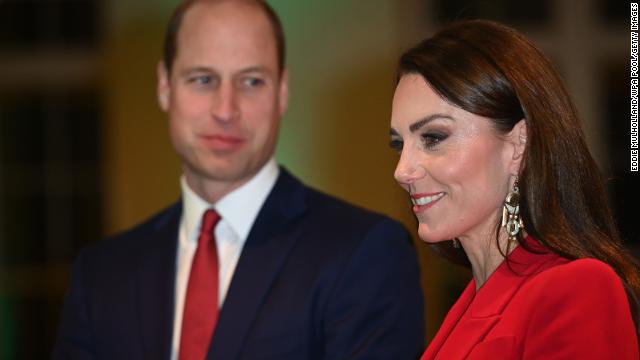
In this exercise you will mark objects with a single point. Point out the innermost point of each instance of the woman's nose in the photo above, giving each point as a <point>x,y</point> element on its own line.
<point>408,169</point>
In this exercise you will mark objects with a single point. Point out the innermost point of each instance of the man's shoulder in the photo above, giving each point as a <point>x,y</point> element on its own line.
<point>128,240</point>
<point>345,220</point>
<point>322,202</point>
<point>334,212</point>
<point>165,217</point>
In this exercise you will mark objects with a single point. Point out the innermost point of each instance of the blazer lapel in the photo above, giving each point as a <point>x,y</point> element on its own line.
<point>450,321</point>
<point>472,323</point>
<point>155,285</point>
<point>486,308</point>
<point>263,255</point>
<point>496,294</point>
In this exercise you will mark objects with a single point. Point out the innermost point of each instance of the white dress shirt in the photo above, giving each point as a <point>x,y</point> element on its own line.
<point>238,211</point>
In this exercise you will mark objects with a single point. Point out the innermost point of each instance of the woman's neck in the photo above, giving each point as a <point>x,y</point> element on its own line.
<point>484,255</point>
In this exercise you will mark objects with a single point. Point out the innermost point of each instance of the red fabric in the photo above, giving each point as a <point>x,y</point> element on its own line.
<point>201,302</point>
<point>542,307</point>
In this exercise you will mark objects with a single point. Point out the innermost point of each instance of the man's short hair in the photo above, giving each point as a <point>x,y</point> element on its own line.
<point>173,27</point>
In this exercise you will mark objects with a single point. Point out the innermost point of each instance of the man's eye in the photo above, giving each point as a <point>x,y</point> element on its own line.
<point>396,145</point>
<point>200,80</point>
<point>252,82</point>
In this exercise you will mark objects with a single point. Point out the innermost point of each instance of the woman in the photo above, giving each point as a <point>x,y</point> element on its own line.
<point>493,157</point>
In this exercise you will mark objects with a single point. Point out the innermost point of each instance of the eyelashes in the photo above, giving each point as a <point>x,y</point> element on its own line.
<point>396,145</point>
<point>429,140</point>
<point>200,80</point>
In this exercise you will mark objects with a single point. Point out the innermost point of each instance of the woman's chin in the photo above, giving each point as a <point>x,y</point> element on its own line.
<point>429,236</point>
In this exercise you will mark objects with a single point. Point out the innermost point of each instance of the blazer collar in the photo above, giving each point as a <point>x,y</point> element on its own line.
<point>451,320</point>
<point>263,256</point>
<point>494,296</point>
<point>476,313</point>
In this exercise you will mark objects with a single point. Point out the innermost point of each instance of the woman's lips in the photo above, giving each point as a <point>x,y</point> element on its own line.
<point>422,202</point>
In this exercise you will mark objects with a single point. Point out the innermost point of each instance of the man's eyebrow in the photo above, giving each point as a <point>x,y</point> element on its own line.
<point>254,69</point>
<point>425,120</point>
<point>208,70</point>
<point>196,69</point>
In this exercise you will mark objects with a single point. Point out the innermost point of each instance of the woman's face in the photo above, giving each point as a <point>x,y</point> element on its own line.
<point>455,166</point>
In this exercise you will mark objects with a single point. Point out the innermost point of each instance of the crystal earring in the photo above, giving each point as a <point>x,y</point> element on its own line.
<point>456,243</point>
<point>511,212</point>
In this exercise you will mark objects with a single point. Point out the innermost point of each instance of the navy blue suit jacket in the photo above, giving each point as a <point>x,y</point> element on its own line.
<point>317,279</point>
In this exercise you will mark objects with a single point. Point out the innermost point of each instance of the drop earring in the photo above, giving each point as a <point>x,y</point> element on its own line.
<point>511,212</point>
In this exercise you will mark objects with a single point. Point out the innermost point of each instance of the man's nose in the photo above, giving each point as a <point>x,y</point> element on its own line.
<point>225,105</point>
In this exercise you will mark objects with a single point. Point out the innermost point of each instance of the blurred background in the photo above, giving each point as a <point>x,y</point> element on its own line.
<point>84,149</point>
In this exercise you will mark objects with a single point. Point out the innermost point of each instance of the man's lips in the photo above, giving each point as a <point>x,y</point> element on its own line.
<point>222,142</point>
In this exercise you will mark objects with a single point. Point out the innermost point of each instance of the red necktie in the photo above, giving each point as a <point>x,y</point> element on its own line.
<point>201,302</point>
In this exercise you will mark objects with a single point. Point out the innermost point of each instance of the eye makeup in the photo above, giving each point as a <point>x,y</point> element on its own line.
<point>431,139</point>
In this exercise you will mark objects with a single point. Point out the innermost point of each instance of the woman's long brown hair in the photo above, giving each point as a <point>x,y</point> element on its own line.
<point>491,70</point>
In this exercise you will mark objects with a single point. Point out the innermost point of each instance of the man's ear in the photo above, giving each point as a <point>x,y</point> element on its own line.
<point>284,92</point>
<point>163,88</point>
<point>518,139</point>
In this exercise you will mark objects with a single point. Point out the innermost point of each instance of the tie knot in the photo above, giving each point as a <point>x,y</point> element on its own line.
<point>209,221</point>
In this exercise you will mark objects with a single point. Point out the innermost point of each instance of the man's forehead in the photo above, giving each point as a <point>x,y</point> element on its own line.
<point>230,17</point>
<point>227,29</point>
<point>224,8</point>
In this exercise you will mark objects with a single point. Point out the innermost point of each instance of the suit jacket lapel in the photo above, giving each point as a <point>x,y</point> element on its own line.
<point>263,255</point>
<point>155,285</point>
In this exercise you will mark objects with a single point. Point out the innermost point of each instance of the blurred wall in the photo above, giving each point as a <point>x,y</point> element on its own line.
<point>141,170</point>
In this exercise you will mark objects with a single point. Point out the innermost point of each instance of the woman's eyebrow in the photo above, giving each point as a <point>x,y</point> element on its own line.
<point>422,122</point>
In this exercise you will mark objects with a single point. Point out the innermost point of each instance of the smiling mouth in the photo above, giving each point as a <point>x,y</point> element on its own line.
<point>423,201</point>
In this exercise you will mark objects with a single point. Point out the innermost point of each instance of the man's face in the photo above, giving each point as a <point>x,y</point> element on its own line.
<point>225,94</point>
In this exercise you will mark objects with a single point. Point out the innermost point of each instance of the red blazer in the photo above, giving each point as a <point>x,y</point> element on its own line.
<point>544,307</point>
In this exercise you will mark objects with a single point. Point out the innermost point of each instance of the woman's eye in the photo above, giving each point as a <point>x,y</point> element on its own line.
<point>396,145</point>
<point>432,139</point>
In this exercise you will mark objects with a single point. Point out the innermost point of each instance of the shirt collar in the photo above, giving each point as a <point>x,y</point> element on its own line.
<point>238,208</point>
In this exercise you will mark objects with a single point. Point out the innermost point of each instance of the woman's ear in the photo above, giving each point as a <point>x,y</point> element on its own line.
<point>518,139</point>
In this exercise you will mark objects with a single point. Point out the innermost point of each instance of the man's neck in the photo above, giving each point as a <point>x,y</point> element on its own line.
<point>211,190</point>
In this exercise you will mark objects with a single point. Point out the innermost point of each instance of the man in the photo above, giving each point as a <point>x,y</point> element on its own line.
<point>250,264</point>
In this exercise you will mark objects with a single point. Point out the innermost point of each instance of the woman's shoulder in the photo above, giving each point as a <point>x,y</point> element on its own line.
<point>581,277</point>
<point>580,271</point>
<point>545,267</point>
<point>569,297</point>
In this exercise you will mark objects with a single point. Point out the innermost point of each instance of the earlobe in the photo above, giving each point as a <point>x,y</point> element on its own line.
<point>163,88</point>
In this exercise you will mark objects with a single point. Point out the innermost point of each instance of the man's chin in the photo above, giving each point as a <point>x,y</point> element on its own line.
<point>226,173</point>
